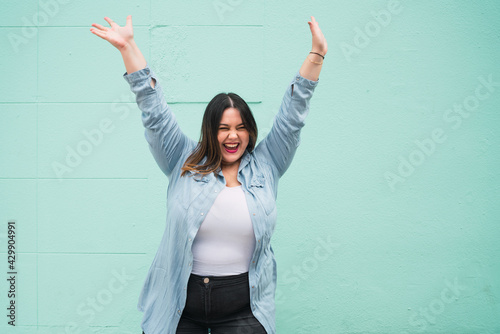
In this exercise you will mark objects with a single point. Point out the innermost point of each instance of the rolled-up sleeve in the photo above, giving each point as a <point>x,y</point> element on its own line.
<point>166,140</point>
<point>280,144</point>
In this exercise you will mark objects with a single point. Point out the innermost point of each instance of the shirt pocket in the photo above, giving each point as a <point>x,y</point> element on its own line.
<point>191,188</point>
<point>261,189</point>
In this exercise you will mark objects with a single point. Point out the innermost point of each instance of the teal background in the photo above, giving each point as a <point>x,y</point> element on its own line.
<point>409,248</point>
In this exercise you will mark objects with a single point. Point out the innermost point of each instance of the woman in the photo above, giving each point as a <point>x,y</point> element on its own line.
<point>215,268</point>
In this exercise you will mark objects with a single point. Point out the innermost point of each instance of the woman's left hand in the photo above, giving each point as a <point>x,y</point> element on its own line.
<point>318,40</point>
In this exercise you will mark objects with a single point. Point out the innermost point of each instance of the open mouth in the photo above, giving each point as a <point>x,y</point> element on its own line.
<point>231,148</point>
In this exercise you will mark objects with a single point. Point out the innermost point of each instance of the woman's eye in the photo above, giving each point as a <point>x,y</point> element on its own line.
<point>240,128</point>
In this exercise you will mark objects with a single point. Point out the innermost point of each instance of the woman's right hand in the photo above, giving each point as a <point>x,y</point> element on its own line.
<point>118,36</point>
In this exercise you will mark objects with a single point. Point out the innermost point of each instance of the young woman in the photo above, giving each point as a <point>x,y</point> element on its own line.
<point>215,268</point>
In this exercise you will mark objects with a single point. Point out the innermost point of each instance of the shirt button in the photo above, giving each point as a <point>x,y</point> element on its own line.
<point>179,311</point>
<point>215,191</point>
<point>202,213</point>
<point>253,286</point>
<point>258,240</point>
<point>253,261</point>
<point>206,280</point>
<point>254,214</point>
<point>190,264</point>
<point>189,239</point>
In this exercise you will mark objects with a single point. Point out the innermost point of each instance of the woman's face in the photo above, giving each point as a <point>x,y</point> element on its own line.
<point>231,132</point>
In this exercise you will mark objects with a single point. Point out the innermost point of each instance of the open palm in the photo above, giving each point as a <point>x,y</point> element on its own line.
<point>118,36</point>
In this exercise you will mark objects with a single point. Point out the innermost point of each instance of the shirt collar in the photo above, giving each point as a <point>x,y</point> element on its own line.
<point>245,158</point>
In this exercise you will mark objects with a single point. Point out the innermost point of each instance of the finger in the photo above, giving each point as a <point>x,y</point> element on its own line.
<point>129,21</point>
<point>98,33</point>
<point>311,26</point>
<point>110,21</point>
<point>100,27</point>
<point>313,22</point>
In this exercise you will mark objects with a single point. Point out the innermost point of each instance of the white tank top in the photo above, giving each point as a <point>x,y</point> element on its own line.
<point>225,241</point>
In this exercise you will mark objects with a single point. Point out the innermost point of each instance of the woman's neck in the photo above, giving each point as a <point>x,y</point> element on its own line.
<point>231,168</point>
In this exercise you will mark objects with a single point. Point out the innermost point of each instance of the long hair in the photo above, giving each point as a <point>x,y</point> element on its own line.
<point>208,145</point>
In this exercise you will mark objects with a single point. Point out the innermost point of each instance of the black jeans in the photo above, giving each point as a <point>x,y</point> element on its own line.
<point>218,305</point>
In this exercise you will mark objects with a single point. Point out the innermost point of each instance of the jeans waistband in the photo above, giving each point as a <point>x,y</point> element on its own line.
<point>233,278</point>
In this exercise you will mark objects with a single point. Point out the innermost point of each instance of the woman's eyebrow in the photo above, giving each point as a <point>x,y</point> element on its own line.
<point>228,124</point>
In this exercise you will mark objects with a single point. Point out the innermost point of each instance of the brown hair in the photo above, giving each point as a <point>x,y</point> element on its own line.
<point>208,145</point>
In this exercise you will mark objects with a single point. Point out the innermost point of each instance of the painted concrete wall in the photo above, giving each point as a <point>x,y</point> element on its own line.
<point>388,218</point>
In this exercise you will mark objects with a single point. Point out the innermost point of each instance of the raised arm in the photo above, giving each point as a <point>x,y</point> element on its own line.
<point>312,64</point>
<point>166,140</point>
<point>280,144</point>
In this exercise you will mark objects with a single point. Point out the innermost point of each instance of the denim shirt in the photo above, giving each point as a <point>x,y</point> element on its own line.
<point>189,199</point>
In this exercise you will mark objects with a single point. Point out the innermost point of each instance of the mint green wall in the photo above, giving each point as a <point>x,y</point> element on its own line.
<point>388,218</point>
